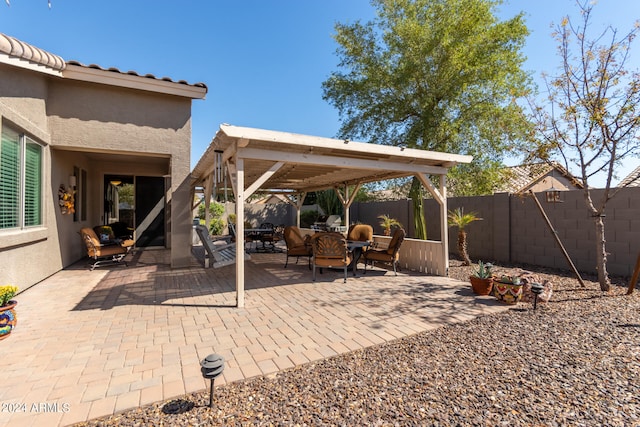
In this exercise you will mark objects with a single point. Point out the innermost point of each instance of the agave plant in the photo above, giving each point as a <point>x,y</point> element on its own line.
<point>484,270</point>
<point>457,218</point>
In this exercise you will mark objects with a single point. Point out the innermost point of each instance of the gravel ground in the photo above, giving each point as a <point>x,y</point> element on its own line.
<point>575,361</point>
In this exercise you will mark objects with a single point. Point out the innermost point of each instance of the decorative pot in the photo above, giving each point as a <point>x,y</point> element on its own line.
<point>481,286</point>
<point>508,293</point>
<point>8,319</point>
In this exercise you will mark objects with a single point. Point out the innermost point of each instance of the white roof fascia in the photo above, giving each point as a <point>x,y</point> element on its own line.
<point>82,73</point>
<point>317,141</point>
<point>28,65</point>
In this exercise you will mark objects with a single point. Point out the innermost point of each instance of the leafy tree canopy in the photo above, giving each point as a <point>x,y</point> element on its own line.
<point>438,75</point>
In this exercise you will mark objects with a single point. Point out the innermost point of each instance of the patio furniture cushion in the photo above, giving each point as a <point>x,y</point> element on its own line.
<point>110,252</point>
<point>360,232</point>
<point>107,236</point>
<point>296,244</point>
<point>389,255</point>
<point>330,250</point>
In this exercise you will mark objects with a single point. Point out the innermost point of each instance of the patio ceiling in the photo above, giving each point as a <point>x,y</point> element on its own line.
<point>286,162</point>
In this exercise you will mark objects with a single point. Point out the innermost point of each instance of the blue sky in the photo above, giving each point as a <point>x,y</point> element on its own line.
<point>263,60</point>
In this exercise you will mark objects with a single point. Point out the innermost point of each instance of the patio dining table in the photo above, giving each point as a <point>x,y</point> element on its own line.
<point>356,248</point>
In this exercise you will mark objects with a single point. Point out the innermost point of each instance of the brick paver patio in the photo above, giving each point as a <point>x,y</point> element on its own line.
<point>92,343</point>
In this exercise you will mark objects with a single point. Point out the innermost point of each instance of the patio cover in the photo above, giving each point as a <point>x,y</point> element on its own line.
<point>252,159</point>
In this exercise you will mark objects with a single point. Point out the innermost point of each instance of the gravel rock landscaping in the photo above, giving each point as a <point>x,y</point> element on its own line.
<point>573,361</point>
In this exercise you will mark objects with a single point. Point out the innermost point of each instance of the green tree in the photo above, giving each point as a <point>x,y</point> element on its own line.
<point>439,75</point>
<point>590,118</point>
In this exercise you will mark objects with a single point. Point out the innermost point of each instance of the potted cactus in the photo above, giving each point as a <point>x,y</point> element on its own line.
<point>482,279</point>
<point>8,317</point>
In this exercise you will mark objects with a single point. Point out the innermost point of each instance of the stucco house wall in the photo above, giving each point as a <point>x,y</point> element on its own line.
<point>103,122</point>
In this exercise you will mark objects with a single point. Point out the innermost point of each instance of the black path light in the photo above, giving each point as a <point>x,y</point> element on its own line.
<point>537,289</point>
<point>211,367</point>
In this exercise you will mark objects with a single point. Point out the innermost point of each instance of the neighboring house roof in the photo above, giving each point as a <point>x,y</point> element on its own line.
<point>632,180</point>
<point>24,55</point>
<point>518,179</point>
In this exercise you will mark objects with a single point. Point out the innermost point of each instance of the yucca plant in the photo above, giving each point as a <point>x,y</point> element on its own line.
<point>457,218</point>
<point>386,222</point>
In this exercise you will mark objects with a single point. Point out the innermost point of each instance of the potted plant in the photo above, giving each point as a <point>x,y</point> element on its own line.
<point>8,317</point>
<point>386,222</point>
<point>457,218</point>
<point>482,279</point>
<point>508,289</point>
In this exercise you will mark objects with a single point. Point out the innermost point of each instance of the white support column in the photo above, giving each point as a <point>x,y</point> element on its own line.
<point>347,199</point>
<point>299,202</point>
<point>239,193</point>
<point>444,226</point>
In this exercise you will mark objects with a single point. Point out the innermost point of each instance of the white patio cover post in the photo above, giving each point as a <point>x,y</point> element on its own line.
<point>444,225</point>
<point>347,199</point>
<point>239,190</point>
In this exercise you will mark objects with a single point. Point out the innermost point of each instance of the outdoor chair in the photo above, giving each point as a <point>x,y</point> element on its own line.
<point>271,237</point>
<point>221,252</point>
<point>330,251</point>
<point>360,232</point>
<point>389,255</point>
<point>297,245</point>
<point>106,250</point>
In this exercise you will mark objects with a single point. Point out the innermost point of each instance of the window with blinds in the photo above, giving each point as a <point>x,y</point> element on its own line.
<point>20,180</point>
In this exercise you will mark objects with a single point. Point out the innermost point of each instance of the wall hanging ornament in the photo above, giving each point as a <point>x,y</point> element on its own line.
<point>66,200</point>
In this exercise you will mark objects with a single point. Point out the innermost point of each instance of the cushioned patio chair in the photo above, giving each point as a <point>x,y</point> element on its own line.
<point>360,232</point>
<point>389,255</point>
<point>104,251</point>
<point>330,251</point>
<point>297,245</point>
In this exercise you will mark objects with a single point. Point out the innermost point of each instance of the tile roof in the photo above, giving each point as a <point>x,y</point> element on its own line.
<point>21,50</point>
<point>518,179</point>
<point>134,73</point>
<point>632,180</point>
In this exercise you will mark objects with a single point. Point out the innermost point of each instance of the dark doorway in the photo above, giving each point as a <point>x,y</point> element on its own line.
<point>149,212</point>
<point>119,204</point>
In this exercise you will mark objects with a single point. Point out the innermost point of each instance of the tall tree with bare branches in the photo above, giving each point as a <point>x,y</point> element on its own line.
<point>590,119</point>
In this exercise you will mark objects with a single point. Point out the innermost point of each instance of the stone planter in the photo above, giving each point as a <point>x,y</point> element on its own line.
<point>8,319</point>
<point>481,286</point>
<point>507,293</point>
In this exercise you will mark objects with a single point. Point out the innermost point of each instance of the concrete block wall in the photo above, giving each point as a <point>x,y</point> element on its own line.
<point>514,230</point>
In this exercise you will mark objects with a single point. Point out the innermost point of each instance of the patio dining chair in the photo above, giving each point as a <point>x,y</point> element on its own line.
<point>389,255</point>
<point>330,251</point>
<point>271,237</point>
<point>360,232</point>
<point>297,245</point>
